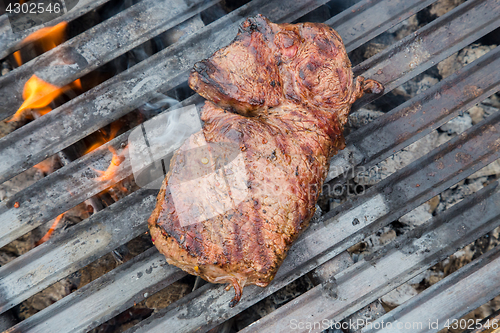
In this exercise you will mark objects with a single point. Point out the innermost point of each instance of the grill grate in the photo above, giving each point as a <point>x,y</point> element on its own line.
<point>324,242</point>
<point>94,48</point>
<point>412,254</point>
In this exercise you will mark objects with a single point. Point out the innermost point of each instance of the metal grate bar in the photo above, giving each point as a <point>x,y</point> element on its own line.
<point>87,51</point>
<point>105,297</point>
<point>16,286</point>
<point>451,298</point>
<point>114,98</point>
<point>414,119</point>
<point>372,18</point>
<point>50,196</point>
<point>79,246</point>
<point>420,51</point>
<point>10,42</point>
<point>408,256</point>
<point>383,203</point>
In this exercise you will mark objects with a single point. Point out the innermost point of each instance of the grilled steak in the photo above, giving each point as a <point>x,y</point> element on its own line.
<point>241,190</point>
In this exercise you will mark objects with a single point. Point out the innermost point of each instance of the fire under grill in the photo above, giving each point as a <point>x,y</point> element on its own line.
<point>343,287</point>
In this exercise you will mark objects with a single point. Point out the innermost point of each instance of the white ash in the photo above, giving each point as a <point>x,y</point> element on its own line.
<point>5,68</point>
<point>399,295</point>
<point>19,182</point>
<point>493,101</point>
<point>417,217</point>
<point>416,86</point>
<point>492,169</point>
<point>372,243</point>
<point>425,83</point>
<point>399,160</point>
<point>458,124</point>
<point>483,110</point>
<point>374,48</point>
<point>417,279</point>
<point>441,7</point>
<point>476,114</point>
<point>404,28</point>
<point>458,192</point>
<point>458,60</point>
<point>363,117</point>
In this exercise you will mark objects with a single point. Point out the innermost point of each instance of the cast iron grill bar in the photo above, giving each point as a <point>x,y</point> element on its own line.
<point>383,203</point>
<point>419,116</point>
<point>10,42</point>
<point>82,244</point>
<point>115,97</point>
<point>87,51</point>
<point>421,50</point>
<point>452,297</point>
<point>105,297</point>
<point>50,197</point>
<point>121,94</point>
<point>14,222</point>
<point>67,248</point>
<point>391,266</point>
<point>372,18</point>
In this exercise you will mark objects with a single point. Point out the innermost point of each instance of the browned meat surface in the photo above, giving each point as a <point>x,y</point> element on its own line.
<point>241,190</point>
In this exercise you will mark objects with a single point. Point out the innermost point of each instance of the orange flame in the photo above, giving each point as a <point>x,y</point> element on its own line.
<point>51,230</point>
<point>17,57</point>
<point>110,172</point>
<point>37,93</point>
<point>44,166</point>
<point>77,84</point>
<point>104,137</point>
<point>49,37</point>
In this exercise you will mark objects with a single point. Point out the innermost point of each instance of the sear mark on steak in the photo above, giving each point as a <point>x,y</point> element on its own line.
<point>241,190</point>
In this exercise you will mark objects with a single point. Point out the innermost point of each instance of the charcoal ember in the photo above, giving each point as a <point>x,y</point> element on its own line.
<point>458,124</point>
<point>240,191</point>
<point>417,216</point>
<point>45,298</point>
<point>462,58</point>
<point>168,295</point>
<point>398,160</point>
<point>399,295</point>
<point>442,7</point>
<point>363,117</point>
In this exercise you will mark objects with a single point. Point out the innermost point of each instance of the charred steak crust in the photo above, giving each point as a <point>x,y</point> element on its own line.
<point>280,94</point>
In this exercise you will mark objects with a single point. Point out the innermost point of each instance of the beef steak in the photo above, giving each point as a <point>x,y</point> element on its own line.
<point>241,190</point>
